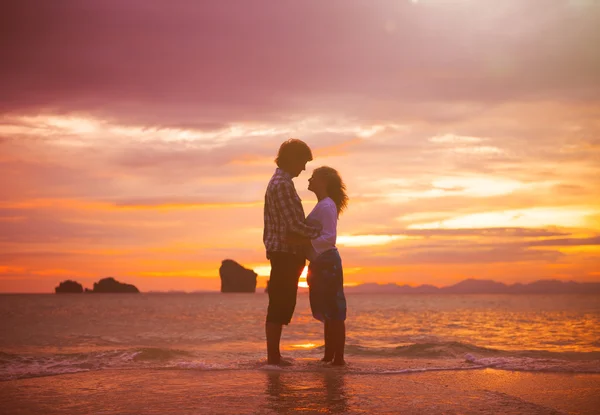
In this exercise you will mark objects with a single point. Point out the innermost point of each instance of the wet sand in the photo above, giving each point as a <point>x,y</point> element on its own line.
<point>281,392</point>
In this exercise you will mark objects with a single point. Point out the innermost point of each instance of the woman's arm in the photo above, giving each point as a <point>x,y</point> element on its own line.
<point>327,217</point>
<point>289,204</point>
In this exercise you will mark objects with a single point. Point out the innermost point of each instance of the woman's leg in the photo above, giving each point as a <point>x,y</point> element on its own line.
<point>329,352</point>
<point>338,335</point>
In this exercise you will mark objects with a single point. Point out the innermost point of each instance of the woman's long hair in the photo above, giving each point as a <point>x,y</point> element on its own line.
<point>336,189</point>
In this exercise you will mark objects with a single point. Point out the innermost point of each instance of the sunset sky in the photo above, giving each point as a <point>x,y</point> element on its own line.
<point>137,137</point>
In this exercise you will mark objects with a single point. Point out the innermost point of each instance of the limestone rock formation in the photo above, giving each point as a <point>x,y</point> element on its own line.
<point>110,285</point>
<point>69,287</point>
<point>236,279</point>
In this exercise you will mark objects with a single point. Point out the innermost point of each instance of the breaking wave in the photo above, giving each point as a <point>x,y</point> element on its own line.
<point>458,349</point>
<point>411,358</point>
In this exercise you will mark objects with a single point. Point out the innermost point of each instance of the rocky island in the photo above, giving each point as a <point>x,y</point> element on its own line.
<point>110,285</point>
<point>105,285</point>
<point>236,279</point>
<point>69,287</point>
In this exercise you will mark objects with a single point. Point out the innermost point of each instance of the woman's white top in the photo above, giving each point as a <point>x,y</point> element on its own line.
<point>324,213</point>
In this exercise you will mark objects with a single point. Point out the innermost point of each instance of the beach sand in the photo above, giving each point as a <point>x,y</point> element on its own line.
<point>331,390</point>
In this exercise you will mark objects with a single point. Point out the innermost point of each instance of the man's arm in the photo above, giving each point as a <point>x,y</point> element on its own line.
<point>292,211</point>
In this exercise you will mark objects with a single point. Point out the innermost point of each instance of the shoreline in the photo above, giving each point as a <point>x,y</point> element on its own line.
<point>265,390</point>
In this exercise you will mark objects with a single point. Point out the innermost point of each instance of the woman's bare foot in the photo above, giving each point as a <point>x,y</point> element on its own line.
<point>337,329</point>
<point>328,357</point>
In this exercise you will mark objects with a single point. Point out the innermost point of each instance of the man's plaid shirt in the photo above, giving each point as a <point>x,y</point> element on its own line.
<point>284,213</point>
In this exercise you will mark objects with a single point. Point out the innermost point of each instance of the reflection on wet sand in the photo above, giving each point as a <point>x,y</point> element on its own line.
<point>323,392</point>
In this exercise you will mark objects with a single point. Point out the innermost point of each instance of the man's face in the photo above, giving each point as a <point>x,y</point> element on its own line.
<point>297,167</point>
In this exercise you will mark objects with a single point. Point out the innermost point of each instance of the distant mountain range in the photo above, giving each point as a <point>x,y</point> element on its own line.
<point>472,286</point>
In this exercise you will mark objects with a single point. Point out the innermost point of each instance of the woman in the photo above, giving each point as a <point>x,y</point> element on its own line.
<point>325,275</point>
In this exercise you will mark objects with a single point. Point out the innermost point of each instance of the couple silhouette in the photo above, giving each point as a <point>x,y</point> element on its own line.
<point>291,239</point>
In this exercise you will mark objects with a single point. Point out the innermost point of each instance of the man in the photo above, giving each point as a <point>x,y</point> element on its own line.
<point>283,214</point>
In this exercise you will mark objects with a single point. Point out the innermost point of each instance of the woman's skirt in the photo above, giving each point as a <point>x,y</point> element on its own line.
<point>326,287</point>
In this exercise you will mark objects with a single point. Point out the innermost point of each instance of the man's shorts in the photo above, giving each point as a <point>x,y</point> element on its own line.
<point>283,286</point>
<point>326,284</point>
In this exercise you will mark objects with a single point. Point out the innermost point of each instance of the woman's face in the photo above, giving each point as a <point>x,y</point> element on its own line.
<point>317,184</point>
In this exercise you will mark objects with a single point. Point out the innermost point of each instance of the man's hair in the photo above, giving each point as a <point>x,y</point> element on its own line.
<point>293,150</point>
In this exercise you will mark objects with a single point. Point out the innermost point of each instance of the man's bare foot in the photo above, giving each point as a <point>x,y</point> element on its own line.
<point>282,363</point>
<point>338,362</point>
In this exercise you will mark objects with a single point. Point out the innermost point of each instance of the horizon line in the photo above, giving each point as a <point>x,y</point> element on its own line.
<point>350,286</point>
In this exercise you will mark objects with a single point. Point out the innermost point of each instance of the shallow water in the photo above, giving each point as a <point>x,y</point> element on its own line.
<point>45,335</point>
<point>282,392</point>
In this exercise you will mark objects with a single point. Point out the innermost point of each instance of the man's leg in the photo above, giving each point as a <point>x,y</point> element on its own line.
<point>273,325</point>
<point>273,334</point>
<point>283,287</point>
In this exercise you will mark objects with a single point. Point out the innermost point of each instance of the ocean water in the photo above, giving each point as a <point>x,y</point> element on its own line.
<point>49,335</point>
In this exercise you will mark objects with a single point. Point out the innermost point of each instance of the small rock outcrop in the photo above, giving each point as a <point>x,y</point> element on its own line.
<point>110,285</point>
<point>236,279</point>
<point>69,287</point>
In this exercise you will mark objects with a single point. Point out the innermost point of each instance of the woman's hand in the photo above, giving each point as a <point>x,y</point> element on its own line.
<point>295,239</point>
